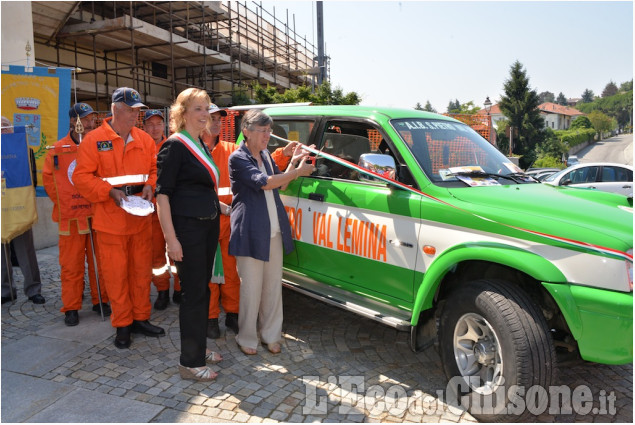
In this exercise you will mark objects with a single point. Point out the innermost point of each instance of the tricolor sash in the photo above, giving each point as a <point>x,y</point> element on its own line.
<point>200,154</point>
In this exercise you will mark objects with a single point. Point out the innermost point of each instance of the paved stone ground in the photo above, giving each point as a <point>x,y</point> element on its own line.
<point>334,367</point>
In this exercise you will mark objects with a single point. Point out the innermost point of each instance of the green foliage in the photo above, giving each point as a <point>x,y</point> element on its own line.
<point>587,96</point>
<point>609,90</point>
<point>464,108</point>
<point>547,162</point>
<point>551,146</point>
<point>546,96</point>
<point>323,95</point>
<point>561,100</point>
<point>626,86</point>
<point>429,107</point>
<point>570,138</point>
<point>619,106</point>
<point>520,105</point>
<point>418,107</point>
<point>580,122</point>
<point>601,122</point>
<point>240,97</point>
<point>454,106</point>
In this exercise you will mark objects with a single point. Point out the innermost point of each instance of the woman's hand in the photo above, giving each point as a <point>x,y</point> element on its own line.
<point>175,251</point>
<point>290,148</point>
<point>299,153</point>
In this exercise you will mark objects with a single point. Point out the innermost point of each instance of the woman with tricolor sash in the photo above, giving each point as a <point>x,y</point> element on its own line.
<point>189,210</point>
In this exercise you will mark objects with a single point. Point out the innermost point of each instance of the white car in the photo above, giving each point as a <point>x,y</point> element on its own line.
<point>607,177</point>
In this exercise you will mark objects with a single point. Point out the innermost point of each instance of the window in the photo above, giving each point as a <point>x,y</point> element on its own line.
<point>295,130</point>
<point>616,174</point>
<point>346,140</point>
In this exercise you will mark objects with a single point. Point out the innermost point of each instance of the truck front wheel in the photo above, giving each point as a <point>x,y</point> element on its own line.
<point>495,346</point>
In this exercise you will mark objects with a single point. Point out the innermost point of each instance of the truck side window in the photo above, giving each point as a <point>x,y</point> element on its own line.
<point>344,140</point>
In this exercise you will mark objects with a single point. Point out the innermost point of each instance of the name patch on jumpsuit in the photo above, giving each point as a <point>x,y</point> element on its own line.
<point>104,145</point>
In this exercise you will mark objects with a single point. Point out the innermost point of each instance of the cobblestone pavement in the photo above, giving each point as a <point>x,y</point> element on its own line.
<point>334,367</point>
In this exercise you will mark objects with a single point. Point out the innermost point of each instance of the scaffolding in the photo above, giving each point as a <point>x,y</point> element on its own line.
<point>163,47</point>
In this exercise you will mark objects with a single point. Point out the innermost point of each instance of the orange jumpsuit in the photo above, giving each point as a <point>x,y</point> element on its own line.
<point>125,240</point>
<point>160,266</point>
<point>72,212</point>
<point>229,291</point>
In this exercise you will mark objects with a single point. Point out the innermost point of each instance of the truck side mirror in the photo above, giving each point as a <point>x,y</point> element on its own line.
<point>383,165</point>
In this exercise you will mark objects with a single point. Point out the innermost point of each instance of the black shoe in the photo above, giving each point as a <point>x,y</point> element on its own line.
<point>37,299</point>
<point>231,322</point>
<point>176,297</point>
<point>105,307</point>
<point>162,301</point>
<point>146,328</point>
<point>122,339</point>
<point>213,331</point>
<point>72,318</point>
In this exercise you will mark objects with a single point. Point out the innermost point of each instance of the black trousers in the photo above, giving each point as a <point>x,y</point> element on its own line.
<point>199,240</point>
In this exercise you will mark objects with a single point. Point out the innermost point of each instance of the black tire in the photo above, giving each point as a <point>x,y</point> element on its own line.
<point>510,345</point>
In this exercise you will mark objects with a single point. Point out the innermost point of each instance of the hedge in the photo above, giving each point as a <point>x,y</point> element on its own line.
<point>575,137</point>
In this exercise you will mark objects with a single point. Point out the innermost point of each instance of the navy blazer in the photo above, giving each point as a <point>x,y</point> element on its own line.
<point>250,226</point>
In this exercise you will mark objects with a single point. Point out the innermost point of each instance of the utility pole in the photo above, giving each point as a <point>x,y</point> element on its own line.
<point>320,36</point>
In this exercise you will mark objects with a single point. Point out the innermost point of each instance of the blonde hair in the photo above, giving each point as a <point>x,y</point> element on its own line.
<point>179,107</point>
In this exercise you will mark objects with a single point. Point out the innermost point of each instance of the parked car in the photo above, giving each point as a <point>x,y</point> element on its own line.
<point>414,220</point>
<point>572,160</point>
<point>604,176</point>
<point>541,173</point>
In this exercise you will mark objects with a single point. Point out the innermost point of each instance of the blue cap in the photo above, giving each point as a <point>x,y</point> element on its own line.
<point>128,96</point>
<point>80,110</point>
<point>153,113</point>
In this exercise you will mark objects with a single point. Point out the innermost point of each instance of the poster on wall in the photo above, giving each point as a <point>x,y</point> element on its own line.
<point>38,99</point>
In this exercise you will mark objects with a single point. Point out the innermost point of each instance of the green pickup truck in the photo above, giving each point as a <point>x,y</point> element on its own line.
<point>447,239</point>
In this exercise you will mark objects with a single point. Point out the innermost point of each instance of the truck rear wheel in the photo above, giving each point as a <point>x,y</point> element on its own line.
<point>495,346</point>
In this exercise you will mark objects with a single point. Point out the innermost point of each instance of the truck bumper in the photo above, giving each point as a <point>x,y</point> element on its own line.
<point>601,321</point>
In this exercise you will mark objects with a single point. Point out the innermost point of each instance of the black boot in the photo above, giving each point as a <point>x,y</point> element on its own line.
<point>213,331</point>
<point>176,297</point>
<point>162,301</point>
<point>146,328</point>
<point>231,322</point>
<point>71,318</point>
<point>106,307</point>
<point>122,340</point>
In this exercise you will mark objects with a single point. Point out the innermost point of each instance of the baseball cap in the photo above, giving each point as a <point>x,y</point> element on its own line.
<point>213,108</point>
<point>128,96</point>
<point>153,113</point>
<point>80,110</point>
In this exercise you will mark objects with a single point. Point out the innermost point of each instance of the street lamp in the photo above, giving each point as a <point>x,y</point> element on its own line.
<point>488,107</point>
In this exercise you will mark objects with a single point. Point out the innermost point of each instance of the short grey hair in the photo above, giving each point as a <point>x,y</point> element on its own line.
<point>255,117</point>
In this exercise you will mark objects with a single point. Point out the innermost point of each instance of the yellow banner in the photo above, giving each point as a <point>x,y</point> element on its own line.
<point>33,101</point>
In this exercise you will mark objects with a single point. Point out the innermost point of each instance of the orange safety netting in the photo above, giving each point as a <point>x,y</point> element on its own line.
<point>482,124</point>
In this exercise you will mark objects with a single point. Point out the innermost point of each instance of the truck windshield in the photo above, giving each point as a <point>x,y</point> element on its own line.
<point>449,152</point>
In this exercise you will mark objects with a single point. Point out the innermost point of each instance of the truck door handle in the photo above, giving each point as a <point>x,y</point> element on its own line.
<point>316,197</point>
<point>626,187</point>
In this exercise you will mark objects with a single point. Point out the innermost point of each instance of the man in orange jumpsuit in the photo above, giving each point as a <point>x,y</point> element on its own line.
<point>229,291</point>
<point>154,125</point>
<point>72,212</point>
<point>115,161</point>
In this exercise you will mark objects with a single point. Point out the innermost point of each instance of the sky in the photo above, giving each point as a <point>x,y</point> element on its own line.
<point>398,53</point>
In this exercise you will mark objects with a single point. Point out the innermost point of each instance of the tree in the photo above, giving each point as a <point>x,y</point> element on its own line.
<point>465,108</point>
<point>587,96</point>
<point>418,107</point>
<point>626,86</point>
<point>429,107</point>
<point>601,122</point>
<point>581,122</point>
<point>619,106</point>
<point>562,100</point>
<point>454,106</point>
<point>323,95</point>
<point>546,96</point>
<point>609,90</point>
<point>520,105</point>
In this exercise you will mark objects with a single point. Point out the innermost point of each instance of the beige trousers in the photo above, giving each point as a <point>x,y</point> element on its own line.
<point>260,297</point>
